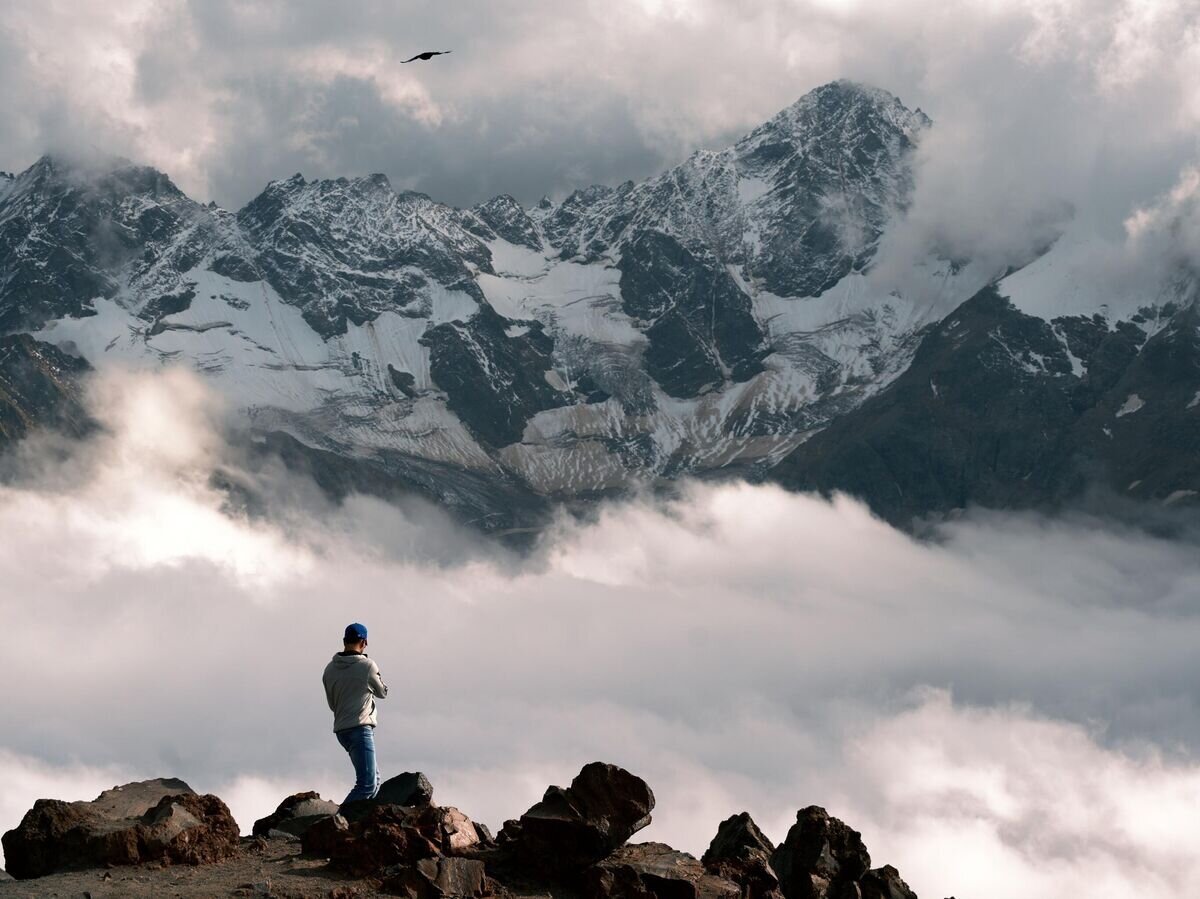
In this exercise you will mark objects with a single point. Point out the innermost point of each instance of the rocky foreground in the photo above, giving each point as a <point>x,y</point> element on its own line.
<point>160,838</point>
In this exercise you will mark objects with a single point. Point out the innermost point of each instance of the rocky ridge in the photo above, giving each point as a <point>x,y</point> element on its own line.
<point>573,843</point>
<point>719,318</point>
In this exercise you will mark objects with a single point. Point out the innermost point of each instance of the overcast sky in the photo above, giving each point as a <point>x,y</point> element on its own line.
<point>1089,102</point>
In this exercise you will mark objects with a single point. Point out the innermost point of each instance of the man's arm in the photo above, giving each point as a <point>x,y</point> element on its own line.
<point>375,682</point>
<point>328,694</point>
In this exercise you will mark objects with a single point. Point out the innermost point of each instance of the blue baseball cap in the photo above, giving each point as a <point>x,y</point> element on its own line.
<point>355,632</point>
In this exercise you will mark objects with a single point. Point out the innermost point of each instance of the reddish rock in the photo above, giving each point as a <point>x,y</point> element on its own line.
<point>318,839</point>
<point>437,878</point>
<point>296,814</point>
<point>383,839</point>
<point>152,820</point>
<point>577,826</point>
<point>655,871</point>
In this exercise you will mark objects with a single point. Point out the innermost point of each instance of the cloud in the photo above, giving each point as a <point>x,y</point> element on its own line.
<point>1016,697</point>
<point>1044,109</point>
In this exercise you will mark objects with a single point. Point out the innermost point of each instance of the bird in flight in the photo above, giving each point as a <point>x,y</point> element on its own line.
<point>428,54</point>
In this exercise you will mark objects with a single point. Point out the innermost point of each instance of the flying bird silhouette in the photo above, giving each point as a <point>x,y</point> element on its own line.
<point>428,54</point>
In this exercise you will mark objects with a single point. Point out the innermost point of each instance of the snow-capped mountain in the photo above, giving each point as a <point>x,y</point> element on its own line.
<point>713,317</point>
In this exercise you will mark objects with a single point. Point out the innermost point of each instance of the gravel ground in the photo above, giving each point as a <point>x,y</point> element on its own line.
<point>267,868</point>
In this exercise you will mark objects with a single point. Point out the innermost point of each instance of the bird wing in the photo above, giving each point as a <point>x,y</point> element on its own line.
<point>403,61</point>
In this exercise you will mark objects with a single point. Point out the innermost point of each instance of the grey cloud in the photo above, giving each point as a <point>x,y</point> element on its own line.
<point>1040,107</point>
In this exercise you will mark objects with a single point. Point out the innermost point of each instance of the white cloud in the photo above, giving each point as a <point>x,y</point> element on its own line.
<point>740,648</point>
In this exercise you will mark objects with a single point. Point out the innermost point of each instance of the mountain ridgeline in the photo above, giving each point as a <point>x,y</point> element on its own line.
<point>719,318</point>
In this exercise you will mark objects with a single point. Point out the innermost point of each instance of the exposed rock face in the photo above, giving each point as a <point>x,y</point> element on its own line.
<point>503,217</point>
<point>821,858</point>
<point>699,323</point>
<point>577,826</point>
<point>741,853</point>
<point>160,820</point>
<point>494,382</point>
<point>39,386</point>
<point>1006,410</point>
<point>655,871</point>
<point>347,250</point>
<point>296,814</point>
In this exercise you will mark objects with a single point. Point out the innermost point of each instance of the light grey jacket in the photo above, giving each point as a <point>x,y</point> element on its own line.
<point>352,683</point>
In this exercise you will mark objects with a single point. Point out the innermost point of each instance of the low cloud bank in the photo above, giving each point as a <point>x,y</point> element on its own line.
<point>1010,710</point>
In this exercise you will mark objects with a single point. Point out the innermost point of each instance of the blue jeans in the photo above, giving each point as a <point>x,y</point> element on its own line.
<point>360,743</point>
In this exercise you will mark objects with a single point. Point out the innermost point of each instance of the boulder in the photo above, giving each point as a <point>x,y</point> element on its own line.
<point>296,814</point>
<point>741,853</point>
<point>158,820</point>
<point>399,835</point>
<point>577,826</point>
<point>821,858</point>
<point>885,883</point>
<point>5,876</point>
<point>411,789</point>
<point>437,878</point>
<point>654,871</point>
<point>318,839</point>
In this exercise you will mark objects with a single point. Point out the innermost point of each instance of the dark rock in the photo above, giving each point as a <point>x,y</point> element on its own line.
<point>885,883</point>
<point>574,827</point>
<point>70,234</point>
<point>395,834</point>
<point>296,814</point>
<point>437,878</point>
<point>505,218</point>
<point>319,838</point>
<point>40,386</point>
<point>235,267</point>
<point>346,250</point>
<point>821,858</point>
<point>698,321</point>
<point>990,414</point>
<point>387,836</point>
<point>153,820</point>
<point>411,789</point>
<point>493,382</point>
<point>741,853</point>
<point>655,871</point>
<point>402,381</point>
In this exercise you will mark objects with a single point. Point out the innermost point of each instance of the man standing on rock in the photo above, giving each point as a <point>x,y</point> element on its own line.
<point>352,684</point>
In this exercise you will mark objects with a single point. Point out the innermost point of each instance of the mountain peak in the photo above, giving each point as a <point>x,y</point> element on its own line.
<point>848,108</point>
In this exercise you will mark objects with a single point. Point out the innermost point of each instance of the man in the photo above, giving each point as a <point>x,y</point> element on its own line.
<point>352,684</point>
